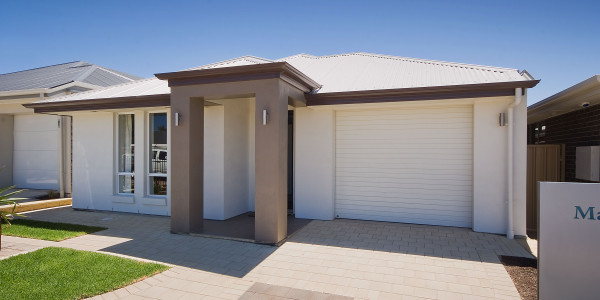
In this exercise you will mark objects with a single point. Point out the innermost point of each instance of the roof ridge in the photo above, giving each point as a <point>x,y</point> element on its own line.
<point>85,74</point>
<point>246,57</point>
<point>297,55</point>
<point>75,61</point>
<point>113,72</point>
<point>417,60</point>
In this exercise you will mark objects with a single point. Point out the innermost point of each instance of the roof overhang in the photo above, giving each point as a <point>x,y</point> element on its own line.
<point>281,70</point>
<point>568,100</point>
<point>495,89</point>
<point>101,104</point>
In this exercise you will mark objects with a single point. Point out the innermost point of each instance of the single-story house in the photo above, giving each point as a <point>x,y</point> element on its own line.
<point>571,118</point>
<point>358,136</point>
<point>35,149</point>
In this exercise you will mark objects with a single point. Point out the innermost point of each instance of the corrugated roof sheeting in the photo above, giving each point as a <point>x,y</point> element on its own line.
<point>57,75</point>
<point>363,71</point>
<point>143,87</point>
<point>240,61</point>
<point>339,73</point>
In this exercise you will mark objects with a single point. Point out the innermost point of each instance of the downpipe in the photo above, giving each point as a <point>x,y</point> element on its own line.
<point>510,233</point>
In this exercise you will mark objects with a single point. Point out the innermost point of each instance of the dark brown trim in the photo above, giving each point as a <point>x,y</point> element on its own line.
<point>101,104</point>
<point>238,73</point>
<point>420,93</point>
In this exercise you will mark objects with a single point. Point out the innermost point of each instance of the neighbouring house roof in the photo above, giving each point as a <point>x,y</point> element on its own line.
<point>568,100</point>
<point>58,75</point>
<point>337,74</point>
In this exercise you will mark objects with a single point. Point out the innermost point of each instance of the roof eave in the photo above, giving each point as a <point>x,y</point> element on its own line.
<point>494,89</point>
<point>589,83</point>
<point>159,100</point>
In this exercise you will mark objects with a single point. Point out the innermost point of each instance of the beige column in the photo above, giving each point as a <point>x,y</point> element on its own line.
<point>271,164</point>
<point>187,164</point>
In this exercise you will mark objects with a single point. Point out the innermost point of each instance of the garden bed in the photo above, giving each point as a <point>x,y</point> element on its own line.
<point>524,274</point>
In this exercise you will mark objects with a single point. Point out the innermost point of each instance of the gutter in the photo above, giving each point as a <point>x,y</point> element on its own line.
<point>510,232</point>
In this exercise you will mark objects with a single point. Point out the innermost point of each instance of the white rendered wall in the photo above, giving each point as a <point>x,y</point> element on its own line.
<point>251,151</point>
<point>315,161</point>
<point>236,157</point>
<point>94,167</point>
<point>6,150</point>
<point>314,168</point>
<point>228,158</point>
<point>489,166</point>
<point>214,155</point>
<point>520,169</point>
<point>35,157</point>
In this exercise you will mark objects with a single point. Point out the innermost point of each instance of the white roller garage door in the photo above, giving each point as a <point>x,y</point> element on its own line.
<point>409,165</point>
<point>35,160</point>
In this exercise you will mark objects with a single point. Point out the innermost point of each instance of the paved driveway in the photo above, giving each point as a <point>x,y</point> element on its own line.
<point>338,259</point>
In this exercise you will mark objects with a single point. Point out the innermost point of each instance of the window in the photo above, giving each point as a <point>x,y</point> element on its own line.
<point>126,151</point>
<point>157,154</point>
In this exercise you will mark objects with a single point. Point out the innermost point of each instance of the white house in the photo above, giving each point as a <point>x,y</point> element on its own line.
<point>35,149</point>
<point>358,135</point>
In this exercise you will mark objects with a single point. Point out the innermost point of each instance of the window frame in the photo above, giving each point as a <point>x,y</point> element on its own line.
<point>148,154</point>
<point>118,173</point>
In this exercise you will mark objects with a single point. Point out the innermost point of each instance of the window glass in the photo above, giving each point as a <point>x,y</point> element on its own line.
<point>126,149</point>
<point>158,153</point>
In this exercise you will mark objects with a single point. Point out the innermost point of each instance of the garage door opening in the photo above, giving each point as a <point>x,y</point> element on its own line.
<point>410,165</point>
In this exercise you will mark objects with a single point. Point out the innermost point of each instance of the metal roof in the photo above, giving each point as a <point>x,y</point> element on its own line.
<point>239,61</point>
<point>365,71</point>
<point>340,73</point>
<point>142,87</point>
<point>61,74</point>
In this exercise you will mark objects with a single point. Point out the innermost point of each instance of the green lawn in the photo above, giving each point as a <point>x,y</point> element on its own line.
<point>61,273</point>
<point>46,230</point>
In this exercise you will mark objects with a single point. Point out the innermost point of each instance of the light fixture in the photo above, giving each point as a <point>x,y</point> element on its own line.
<point>265,116</point>
<point>177,119</point>
<point>502,119</point>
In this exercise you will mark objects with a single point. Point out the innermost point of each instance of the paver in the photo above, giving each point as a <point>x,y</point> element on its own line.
<point>327,259</point>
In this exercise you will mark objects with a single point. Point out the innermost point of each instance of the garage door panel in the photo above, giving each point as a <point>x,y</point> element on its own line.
<point>35,158</point>
<point>36,123</point>
<point>442,181</point>
<point>392,202</point>
<point>410,165</point>
<point>405,185</point>
<point>435,174</point>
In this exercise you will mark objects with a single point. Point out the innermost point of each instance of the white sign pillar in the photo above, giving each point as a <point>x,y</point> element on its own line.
<point>569,240</point>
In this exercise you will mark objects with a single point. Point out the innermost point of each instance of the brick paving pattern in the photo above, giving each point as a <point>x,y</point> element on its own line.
<point>337,259</point>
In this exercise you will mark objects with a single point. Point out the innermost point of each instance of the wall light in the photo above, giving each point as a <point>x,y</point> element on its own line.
<point>502,119</point>
<point>265,116</point>
<point>177,119</point>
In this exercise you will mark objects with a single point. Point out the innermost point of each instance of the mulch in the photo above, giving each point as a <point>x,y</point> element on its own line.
<point>523,272</point>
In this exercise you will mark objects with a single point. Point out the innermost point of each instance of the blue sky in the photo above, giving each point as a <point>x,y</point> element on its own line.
<point>556,42</point>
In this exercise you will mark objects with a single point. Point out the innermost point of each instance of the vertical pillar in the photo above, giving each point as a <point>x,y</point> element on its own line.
<point>271,165</point>
<point>187,164</point>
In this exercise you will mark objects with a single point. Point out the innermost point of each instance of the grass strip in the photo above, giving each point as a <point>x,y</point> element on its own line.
<point>46,230</point>
<point>62,273</point>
